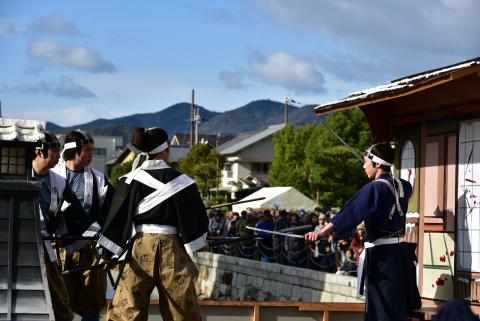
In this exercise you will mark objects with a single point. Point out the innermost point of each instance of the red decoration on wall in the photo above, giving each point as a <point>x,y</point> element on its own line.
<point>440,282</point>
<point>442,258</point>
<point>452,253</point>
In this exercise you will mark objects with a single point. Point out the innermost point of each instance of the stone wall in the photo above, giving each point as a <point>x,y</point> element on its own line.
<point>231,278</point>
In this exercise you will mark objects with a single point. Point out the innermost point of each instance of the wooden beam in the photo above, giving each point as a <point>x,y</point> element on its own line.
<point>326,316</point>
<point>421,227</point>
<point>472,108</point>
<point>10,257</point>
<point>256,312</point>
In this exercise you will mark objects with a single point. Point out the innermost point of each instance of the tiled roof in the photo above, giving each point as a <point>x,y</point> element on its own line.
<point>212,140</point>
<point>396,87</point>
<point>21,130</point>
<point>237,145</point>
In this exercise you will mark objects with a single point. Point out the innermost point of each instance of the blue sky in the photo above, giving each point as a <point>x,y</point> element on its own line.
<point>74,61</point>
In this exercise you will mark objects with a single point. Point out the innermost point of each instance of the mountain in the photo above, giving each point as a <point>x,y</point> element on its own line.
<point>257,115</point>
<point>254,116</point>
<point>173,119</point>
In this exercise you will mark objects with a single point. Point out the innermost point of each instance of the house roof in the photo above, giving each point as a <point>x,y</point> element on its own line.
<point>244,141</point>
<point>212,140</point>
<point>402,87</point>
<point>21,130</point>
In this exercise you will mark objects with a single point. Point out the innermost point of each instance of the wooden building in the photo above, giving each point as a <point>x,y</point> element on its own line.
<point>24,292</point>
<point>434,117</point>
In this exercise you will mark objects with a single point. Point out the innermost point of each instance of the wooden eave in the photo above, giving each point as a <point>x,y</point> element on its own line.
<point>388,95</point>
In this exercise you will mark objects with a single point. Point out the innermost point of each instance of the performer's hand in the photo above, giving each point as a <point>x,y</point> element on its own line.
<point>312,236</point>
<point>104,262</point>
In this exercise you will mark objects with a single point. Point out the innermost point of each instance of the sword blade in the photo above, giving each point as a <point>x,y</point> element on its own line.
<point>275,232</point>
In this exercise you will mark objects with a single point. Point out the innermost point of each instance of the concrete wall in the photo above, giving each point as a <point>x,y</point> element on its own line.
<point>230,278</point>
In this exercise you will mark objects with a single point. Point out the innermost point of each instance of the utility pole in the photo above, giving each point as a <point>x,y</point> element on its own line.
<point>196,119</point>
<point>0,109</point>
<point>286,110</point>
<point>192,118</point>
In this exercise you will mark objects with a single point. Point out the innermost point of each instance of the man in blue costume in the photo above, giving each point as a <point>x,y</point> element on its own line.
<point>387,265</point>
<point>50,198</point>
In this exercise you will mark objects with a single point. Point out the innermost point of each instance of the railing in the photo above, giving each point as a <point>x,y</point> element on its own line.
<point>282,250</point>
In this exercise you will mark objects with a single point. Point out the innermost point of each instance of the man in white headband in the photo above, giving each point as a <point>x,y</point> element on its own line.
<point>386,266</point>
<point>169,220</point>
<point>50,199</point>
<point>85,209</point>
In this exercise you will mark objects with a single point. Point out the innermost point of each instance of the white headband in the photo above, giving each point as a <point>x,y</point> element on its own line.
<point>139,153</point>
<point>376,159</point>
<point>159,149</point>
<point>78,143</point>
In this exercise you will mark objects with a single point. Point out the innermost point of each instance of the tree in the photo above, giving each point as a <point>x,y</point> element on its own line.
<point>288,165</point>
<point>203,164</point>
<point>334,172</point>
<point>118,171</point>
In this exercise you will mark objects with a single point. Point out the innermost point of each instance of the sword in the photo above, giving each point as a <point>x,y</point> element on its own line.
<point>275,232</point>
<point>350,149</point>
<point>234,203</point>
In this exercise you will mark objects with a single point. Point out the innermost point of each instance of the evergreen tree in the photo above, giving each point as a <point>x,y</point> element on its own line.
<point>118,171</point>
<point>334,172</point>
<point>288,165</point>
<point>203,164</point>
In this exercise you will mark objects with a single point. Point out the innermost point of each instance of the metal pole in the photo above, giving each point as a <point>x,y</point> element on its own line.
<point>192,116</point>
<point>196,120</point>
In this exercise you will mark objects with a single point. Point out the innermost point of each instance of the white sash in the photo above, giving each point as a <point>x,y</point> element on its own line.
<point>87,190</point>
<point>163,191</point>
<point>361,260</point>
<point>88,174</point>
<point>396,203</point>
<point>56,187</point>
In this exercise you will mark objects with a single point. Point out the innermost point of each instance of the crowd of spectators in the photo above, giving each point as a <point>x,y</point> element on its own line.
<point>328,254</point>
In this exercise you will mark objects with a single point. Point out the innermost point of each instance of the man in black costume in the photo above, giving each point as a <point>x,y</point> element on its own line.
<point>169,220</point>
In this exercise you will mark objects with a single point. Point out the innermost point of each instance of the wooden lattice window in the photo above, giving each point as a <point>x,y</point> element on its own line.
<point>407,162</point>
<point>468,217</point>
<point>13,160</point>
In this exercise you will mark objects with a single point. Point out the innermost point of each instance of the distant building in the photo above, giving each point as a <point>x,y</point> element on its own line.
<point>180,139</point>
<point>247,160</point>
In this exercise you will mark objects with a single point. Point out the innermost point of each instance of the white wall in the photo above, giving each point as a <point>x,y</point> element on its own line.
<point>262,151</point>
<point>105,149</point>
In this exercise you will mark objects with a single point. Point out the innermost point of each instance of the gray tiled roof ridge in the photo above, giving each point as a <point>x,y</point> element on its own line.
<point>238,143</point>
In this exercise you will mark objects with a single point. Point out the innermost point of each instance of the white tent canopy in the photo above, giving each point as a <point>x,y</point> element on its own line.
<point>287,198</point>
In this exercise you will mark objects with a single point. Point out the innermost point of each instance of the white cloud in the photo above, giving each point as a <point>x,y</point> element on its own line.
<point>232,80</point>
<point>64,116</point>
<point>64,87</point>
<point>9,29</point>
<point>79,57</point>
<point>282,69</point>
<point>445,26</point>
<point>53,25</point>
